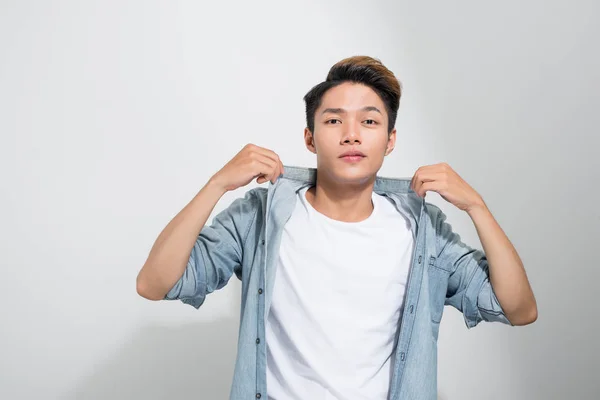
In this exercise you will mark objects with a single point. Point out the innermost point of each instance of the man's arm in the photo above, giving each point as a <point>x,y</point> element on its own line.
<point>188,259</point>
<point>507,274</point>
<point>489,285</point>
<point>169,255</point>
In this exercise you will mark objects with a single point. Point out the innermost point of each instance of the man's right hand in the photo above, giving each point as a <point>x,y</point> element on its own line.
<point>251,162</point>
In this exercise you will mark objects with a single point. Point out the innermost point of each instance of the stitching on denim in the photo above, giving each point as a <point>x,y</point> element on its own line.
<point>252,221</point>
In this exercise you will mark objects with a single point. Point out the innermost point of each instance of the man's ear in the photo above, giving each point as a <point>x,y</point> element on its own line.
<point>391,142</point>
<point>309,141</point>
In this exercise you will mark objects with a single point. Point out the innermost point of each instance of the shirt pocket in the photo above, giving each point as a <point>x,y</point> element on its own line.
<point>438,286</point>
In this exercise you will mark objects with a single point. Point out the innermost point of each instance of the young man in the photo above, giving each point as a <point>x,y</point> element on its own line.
<point>344,274</point>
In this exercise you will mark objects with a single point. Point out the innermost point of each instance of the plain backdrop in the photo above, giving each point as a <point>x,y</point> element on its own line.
<point>114,114</point>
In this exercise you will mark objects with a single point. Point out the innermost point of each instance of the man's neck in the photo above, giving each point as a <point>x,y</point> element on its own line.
<point>346,204</point>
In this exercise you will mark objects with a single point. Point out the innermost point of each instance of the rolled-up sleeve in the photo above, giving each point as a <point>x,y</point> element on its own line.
<point>469,288</point>
<point>217,253</point>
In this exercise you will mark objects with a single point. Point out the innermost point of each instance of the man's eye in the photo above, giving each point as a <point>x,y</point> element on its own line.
<point>332,121</point>
<point>370,122</point>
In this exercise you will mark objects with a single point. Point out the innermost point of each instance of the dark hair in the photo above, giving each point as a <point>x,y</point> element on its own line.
<point>358,69</point>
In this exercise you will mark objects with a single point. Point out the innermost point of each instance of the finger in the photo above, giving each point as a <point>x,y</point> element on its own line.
<point>431,179</point>
<point>257,151</point>
<point>425,187</point>
<point>432,186</point>
<point>266,152</point>
<point>423,176</point>
<point>415,178</point>
<point>279,171</point>
<point>262,168</point>
<point>274,156</point>
<point>274,169</point>
<point>279,164</point>
<point>418,179</point>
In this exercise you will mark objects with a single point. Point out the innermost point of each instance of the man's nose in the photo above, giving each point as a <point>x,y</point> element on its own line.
<point>352,133</point>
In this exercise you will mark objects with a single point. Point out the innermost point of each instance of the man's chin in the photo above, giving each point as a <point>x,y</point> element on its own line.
<point>349,174</point>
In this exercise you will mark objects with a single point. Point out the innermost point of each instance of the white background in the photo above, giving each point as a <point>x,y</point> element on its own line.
<point>114,114</point>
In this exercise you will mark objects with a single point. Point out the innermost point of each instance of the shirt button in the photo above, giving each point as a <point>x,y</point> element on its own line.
<point>262,242</point>
<point>402,356</point>
<point>257,340</point>
<point>258,395</point>
<point>259,291</point>
<point>412,308</point>
<point>419,259</point>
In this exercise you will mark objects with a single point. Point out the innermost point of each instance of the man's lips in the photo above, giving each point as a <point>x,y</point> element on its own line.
<point>352,154</point>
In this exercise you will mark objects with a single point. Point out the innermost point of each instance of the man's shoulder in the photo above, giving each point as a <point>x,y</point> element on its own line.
<point>241,215</point>
<point>259,192</point>
<point>432,209</point>
<point>257,197</point>
<point>245,209</point>
<point>436,215</point>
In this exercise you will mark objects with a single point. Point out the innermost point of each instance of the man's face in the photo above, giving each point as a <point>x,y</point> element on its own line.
<point>352,117</point>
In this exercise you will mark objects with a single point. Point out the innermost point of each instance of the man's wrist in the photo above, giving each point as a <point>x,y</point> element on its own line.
<point>215,187</point>
<point>478,207</point>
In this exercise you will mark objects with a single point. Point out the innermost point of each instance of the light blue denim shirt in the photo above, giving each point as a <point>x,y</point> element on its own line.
<point>244,239</point>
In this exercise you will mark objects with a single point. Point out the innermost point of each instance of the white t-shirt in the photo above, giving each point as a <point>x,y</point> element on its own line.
<point>337,301</point>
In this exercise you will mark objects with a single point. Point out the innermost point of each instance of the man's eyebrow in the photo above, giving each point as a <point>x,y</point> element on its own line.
<point>371,108</point>
<point>334,111</point>
<point>342,111</point>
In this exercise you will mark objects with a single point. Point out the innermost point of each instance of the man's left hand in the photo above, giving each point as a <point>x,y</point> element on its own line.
<point>442,179</point>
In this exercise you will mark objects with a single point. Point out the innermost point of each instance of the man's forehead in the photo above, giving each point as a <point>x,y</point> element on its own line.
<point>351,97</point>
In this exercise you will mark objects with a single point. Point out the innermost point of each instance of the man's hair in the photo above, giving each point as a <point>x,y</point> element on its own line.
<point>358,69</point>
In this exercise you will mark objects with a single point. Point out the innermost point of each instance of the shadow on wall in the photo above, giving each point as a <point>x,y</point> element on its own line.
<point>194,361</point>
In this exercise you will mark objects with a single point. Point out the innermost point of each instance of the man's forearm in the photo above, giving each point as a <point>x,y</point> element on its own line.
<point>507,274</point>
<point>169,255</point>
